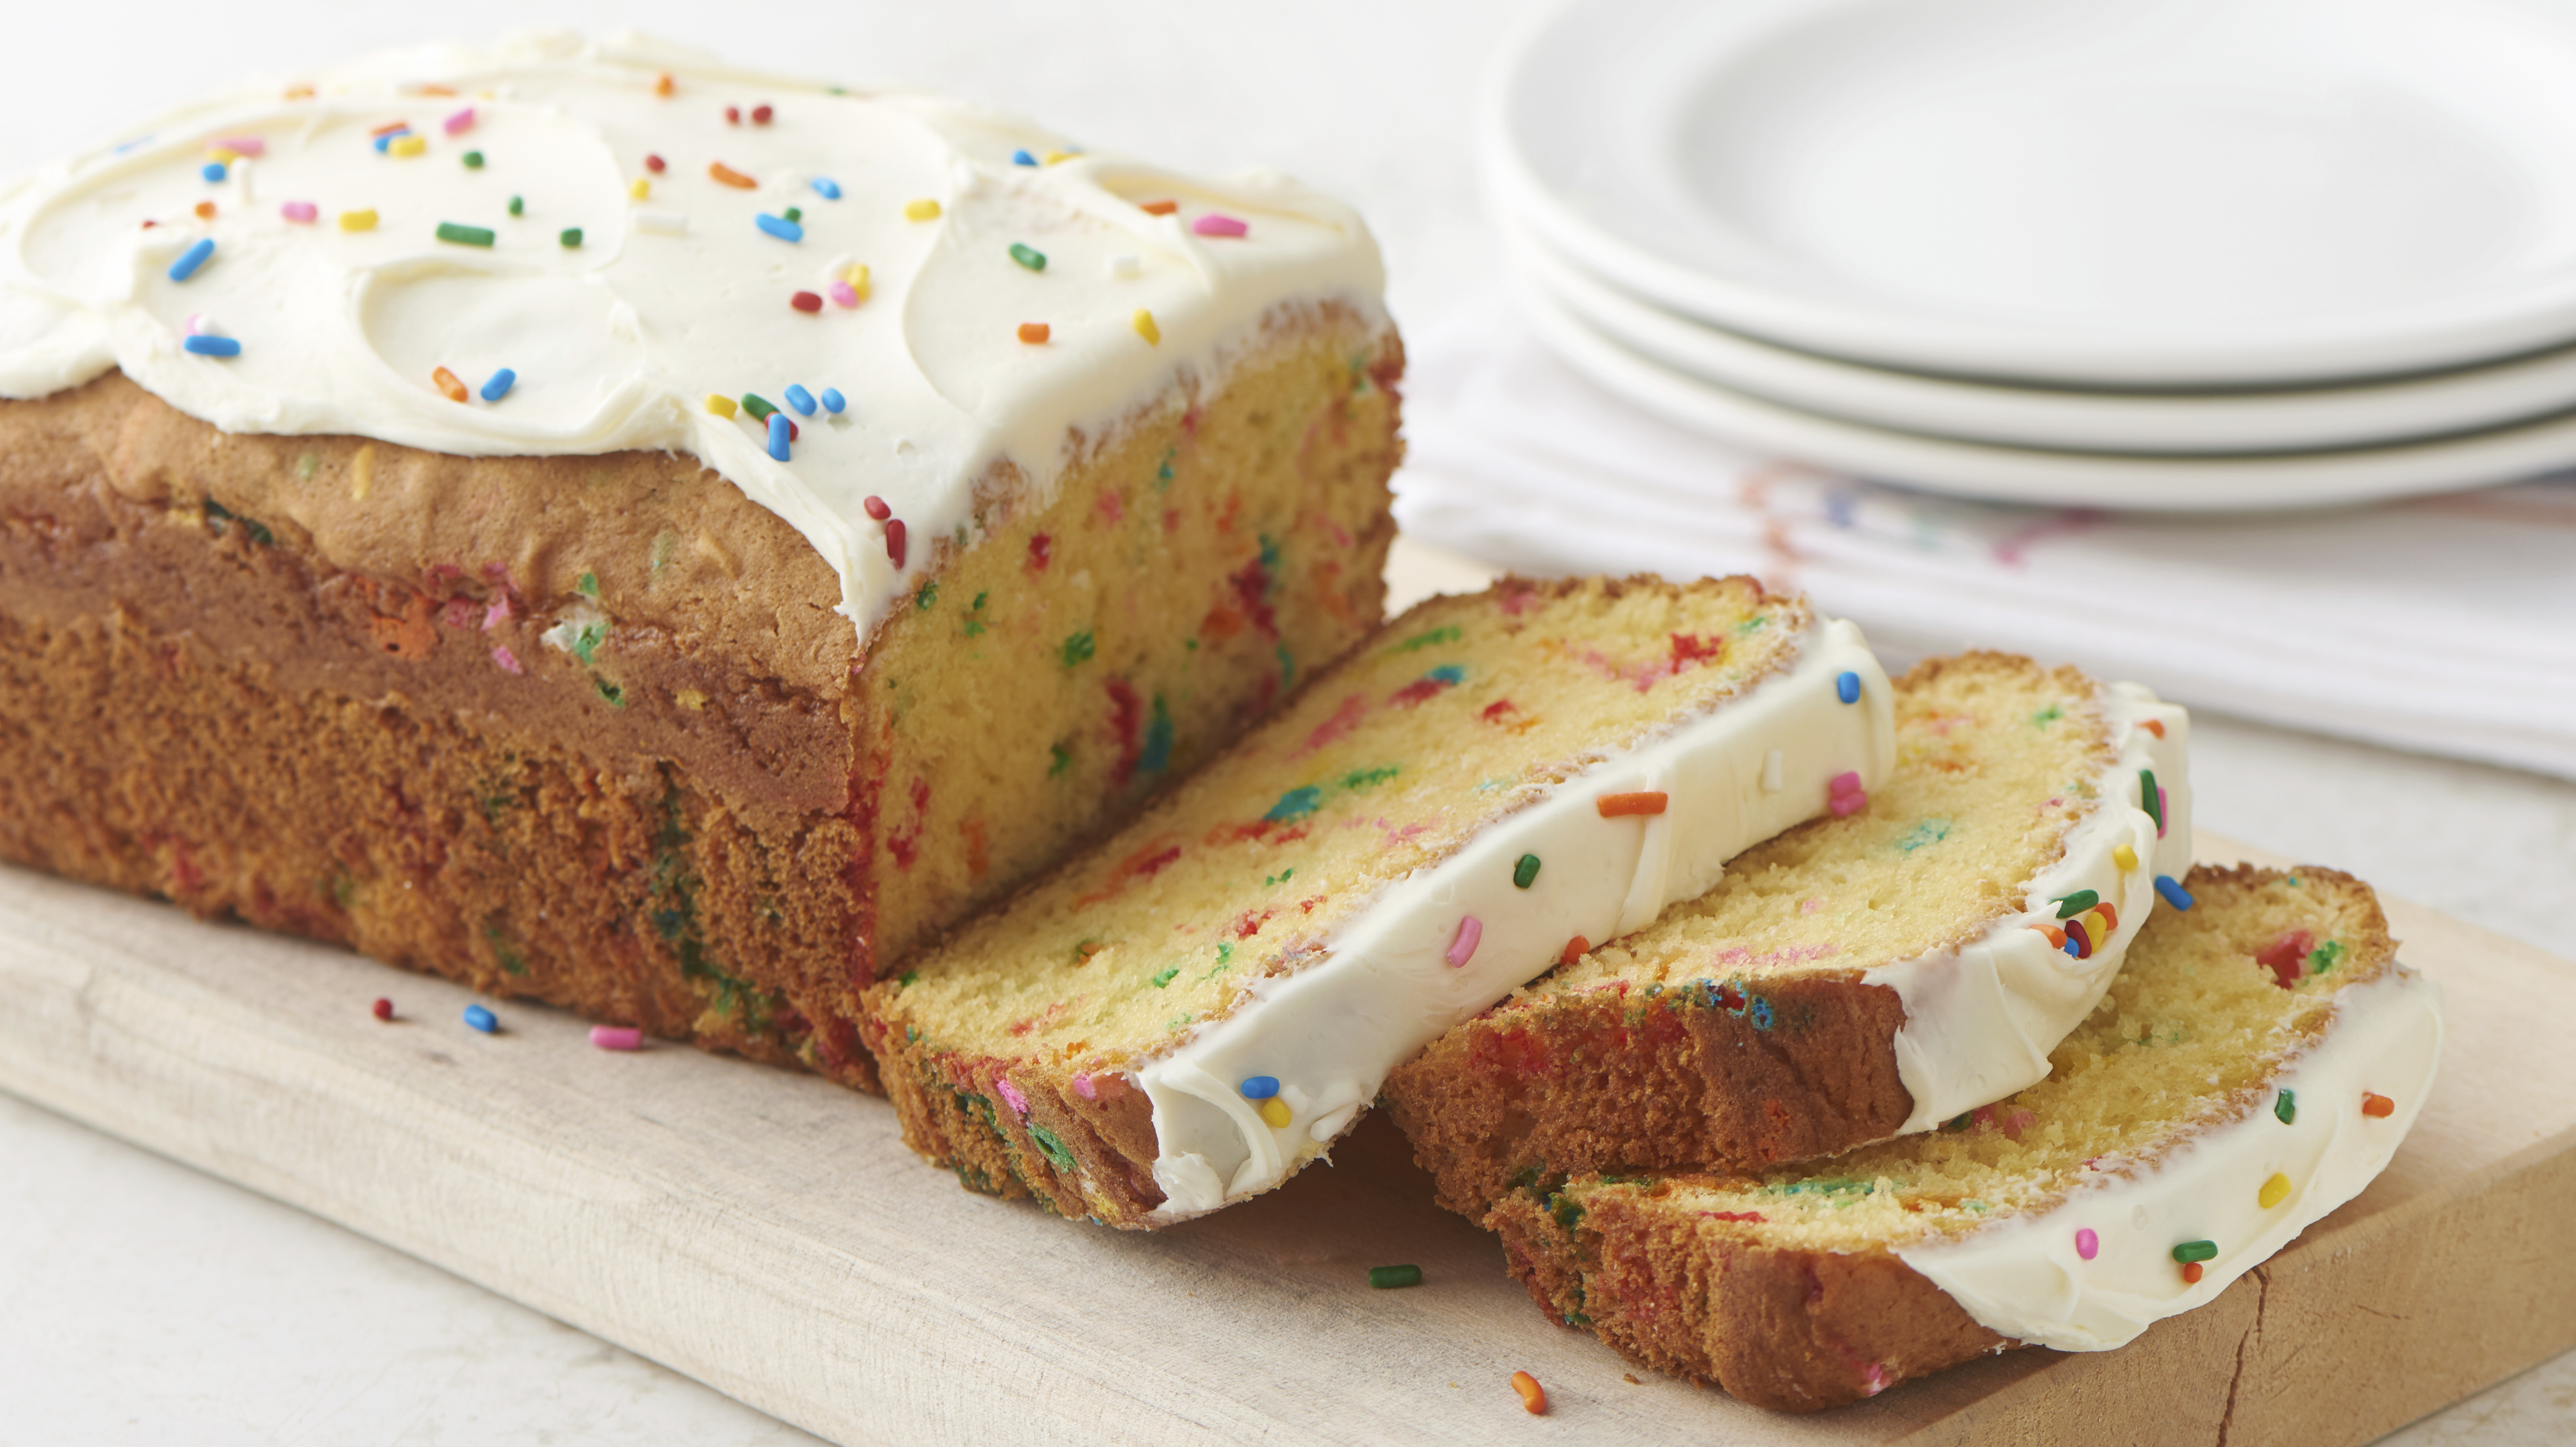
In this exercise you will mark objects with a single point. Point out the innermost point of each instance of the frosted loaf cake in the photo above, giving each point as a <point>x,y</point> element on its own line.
<point>617,529</point>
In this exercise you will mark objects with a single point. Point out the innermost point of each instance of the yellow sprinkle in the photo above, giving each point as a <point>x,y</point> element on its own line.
<point>691,699</point>
<point>722,405</point>
<point>407,146</point>
<point>1145,327</point>
<point>362,472</point>
<point>1275,1111</point>
<point>225,155</point>
<point>2274,1192</point>
<point>857,277</point>
<point>358,220</point>
<point>641,189</point>
<point>922,210</point>
<point>2125,857</point>
<point>1052,157</point>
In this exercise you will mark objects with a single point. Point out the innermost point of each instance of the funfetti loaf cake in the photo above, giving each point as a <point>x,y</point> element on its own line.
<point>1865,974</point>
<point>612,528</point>
<point>1193,1011</point>
<point>2254,1065</point>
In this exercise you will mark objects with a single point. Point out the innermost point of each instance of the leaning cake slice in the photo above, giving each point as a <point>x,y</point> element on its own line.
<point>1194,1011</point>
<point>2253,1067</point>
<point>1859,977</point>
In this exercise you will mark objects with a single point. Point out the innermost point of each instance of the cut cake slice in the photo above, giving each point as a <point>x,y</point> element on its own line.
<point>2254,1066</point>
<point>1191,1013</point>
<point>1860,976</point>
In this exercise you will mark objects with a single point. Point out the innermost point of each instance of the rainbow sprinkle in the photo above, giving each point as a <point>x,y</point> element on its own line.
<point>406,145</point>
<point>2287,1107</point>
<point>1525,872</point>
<point>300,212</point>
<point>1035,333</point>
<point>2087,1245</point>
<point>1028,256</point>
<point>1388,1278</point>
<point>205,346</point>
<point>617,1037</point>
<point>212,171</point>
<point>1844,794</point>
<point>358,220</point>
<point>1143,322</point>
<point>384,1009</point>
<point>778,425</point>
<point>1275,1114</point>
<point>1023,158</point>
<point>2274,1192</point>
<point>2191,1251</point>
<point>721,405</point>
<point>1218,224</point>
<point>1259,1087</point>
<point>459,123</point>
<point>800,399</point>
<point>2172,892</point>
<point>1847,686</point>
<point>1462,946</point>
<point>2076,903</point>
<point>826,187</point>
<point>923,210</point>
<point>843,294</point>
<point>779,226</point>
<point>464,235</point>
<point>500,384</point>
<point>806,302</point>
<point>192,258</point>
<point>569,238</point>
<point>833,401</point>
<point>482,1019</point>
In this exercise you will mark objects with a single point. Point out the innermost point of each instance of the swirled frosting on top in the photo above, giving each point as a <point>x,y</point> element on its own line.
<point>354,264</point>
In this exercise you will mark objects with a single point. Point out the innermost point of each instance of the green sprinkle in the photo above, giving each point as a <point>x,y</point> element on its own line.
<point>2191,1251</point>
<point>518,206</point>
<point>1056,1154</point>
<point>587,585</point>
<point>2325,956</point>
<point>1525,873</point>
<point>616,696</point>
<point>304,466</point>
<point>907,977</point>
<point>2149,800</point>
<point>1449,634</point>
<point>1063,759</point>
<point>1164,977</point>
<point>1282,877</point>
<point>928,595</point>
<point>1927,831</point>
<point>1079,648</point>
<point>1369,778</point>
<point>758,406</point>
<point>1296,804</point>
<point>570,237</point>
<point>464,235</point>
<point>793,214</point>
<point>2047,716</point>
<point>473,160</point>
<point>979,600</point>
<point>2287,1107</point>
<point>1029,257</point>
<point>2076,903</point>
<point>1388,1278</point>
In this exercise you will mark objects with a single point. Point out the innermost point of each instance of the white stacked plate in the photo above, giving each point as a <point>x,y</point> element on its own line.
<point>2128,253</point>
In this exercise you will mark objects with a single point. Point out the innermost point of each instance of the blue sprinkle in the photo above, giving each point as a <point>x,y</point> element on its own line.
<point>500,385</point>
<point>1023,158</point>
<point>833,401</point>
<point>204,346</point>
<point>1847,687</point>
<point>801,400</point>
<point>384,143</point>
<point>1260,1087</point>
<point>212,170</point>
<point>481,1019</point>
<point>779,227</point>
<point>2072,949</point>
<point>1452,674</point>
<point>1761,1013</point>
<point>2173,892</point>
<point>778,425</point>
<point>192,258</point>
<point>827,188</point>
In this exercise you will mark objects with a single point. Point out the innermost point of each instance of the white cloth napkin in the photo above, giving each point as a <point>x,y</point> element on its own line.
<point>2440,624</point>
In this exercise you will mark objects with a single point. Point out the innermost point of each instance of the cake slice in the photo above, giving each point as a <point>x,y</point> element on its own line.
<point>2253,1067</point>
<point>1192,1012</point>
<point>1861,976</point>
<point>610,527</point>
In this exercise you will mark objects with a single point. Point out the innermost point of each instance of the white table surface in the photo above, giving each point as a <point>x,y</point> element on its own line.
<point>143,1302</point>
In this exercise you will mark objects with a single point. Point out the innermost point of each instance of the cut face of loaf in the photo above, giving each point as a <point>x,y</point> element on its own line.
<point>1856,977</point>
<point>589,730</point>
<point>2253,1066</point>
<point>1191,1013</point>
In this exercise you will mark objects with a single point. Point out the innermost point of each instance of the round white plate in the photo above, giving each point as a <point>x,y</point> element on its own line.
<point>2166,423</point>
<point>2192,193</point>
<point>2069,479</point>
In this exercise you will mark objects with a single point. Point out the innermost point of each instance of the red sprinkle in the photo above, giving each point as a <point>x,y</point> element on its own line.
<point>762,115</point>
<point>876,508</point>
<point>894,542</point>
<point>656,164</point>
<point>733,115</point>
<point>384,1009</point>
<point>1575,949</point>
<point>1650,801</point>
<point>806,301</point>
<point>1041,552</point>
<point>2377,1106</point>
<point>2191,1273</point>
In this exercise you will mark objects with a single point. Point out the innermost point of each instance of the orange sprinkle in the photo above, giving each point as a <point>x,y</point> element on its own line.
<point>1158,208</point>
<point>448,384</point>
<point>1533,1396</point>
<point>2110,916</point>
<point>2156,726</point>
<point>2191,1273</point>
<point>1650,801</point>
<point>2056,936</point>
<point>435,89</point>
<point>1033,333</point>
<point>1575,949</point>
<point>389,127</point>
<point>205,210</point>
<point>299,92</point>
<point>2377,1106</point>
<point>663,85</point>
<point>729,176</point>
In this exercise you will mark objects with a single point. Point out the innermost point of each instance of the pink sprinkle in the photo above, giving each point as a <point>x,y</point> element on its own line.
<point>1812,905</point>
<point>2087,1245</point>
<point>1844,795</point>
<point>1011,1093</point>
<point>459,123</point>
<point>299,211</point>
<point>509,661</point>
<point>243,145</point>
<point>196,325</point>
<point>1471,932</point>
<point>1874,1380</point>
<point>2161,815</point>
<point>1217,223</point>
<point>1082,1087</point>
<point>843,294</point>
<point>617,1037</point>
<point>497,614</point>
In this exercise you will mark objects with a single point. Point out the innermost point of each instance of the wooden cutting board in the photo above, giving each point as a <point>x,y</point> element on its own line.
<point>767,1234</point>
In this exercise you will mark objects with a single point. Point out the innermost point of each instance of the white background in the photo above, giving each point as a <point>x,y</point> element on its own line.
<point>142,1302</point>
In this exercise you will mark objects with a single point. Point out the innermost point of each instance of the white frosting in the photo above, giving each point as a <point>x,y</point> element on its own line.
<point>2024,1278</point>
<point>1331,1032</point>
<point>1980,1021</point>
<point>669,297</point>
